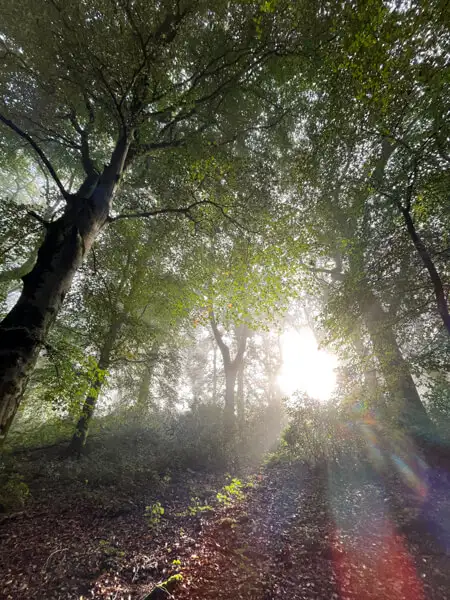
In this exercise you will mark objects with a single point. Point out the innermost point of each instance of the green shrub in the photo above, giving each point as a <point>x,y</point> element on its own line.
<point>154,514</point>
<point>233,492</point>
<point>320,432</point>
<point>14,492</point>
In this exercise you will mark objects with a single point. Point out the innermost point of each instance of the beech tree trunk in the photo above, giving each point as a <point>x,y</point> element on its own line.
<point>23,332</point>
<point>79,438</point>
<point>82,429</point>
<point>406,405</point>
<point>371,387</point>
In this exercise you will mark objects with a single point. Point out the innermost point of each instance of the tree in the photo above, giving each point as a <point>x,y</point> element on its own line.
<point>343,235</point>
<point>231,367</point>
<point>112,83</point>
<point>368,145</point>
<point>133,301</point>
<point>401,99</point>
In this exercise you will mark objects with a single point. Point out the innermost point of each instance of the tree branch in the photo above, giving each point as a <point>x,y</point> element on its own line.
<point>24,135</point>
<point>218,337</point>
<point>35,215</point>
<point>158,211</point>
<point>336,275</point>
<point>88,164</point>
<point>180,211</point>
<point>387,149</point>
<point>242,337</point>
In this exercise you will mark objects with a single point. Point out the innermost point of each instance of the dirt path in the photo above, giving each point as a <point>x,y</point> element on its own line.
<point>325,534</point>
<point>328,533</point>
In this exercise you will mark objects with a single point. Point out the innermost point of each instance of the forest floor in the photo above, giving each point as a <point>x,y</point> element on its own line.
<point>299,532</point>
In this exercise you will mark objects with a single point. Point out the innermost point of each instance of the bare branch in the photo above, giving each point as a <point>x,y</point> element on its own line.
<point>24,135</point>
<point>86,160</point>
<point>336,275</point>
<point>158,211</point>
<point>186,211</point>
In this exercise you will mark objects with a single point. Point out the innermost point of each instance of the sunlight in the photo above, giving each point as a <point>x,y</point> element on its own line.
<point>305,367</point>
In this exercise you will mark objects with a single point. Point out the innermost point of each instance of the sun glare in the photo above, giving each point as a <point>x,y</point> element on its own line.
<point>306,368</point>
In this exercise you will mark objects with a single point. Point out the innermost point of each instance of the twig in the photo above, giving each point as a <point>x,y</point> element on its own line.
<point>44,568</point>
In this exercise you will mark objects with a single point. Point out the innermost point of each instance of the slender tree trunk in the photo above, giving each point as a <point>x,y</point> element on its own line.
<point>214,393</point>
<point>144,389</point>
<point>439,292</point>
<point>240,399</point>
<point>406,405</point>
<point>229,410</point>
<point>82,429</point>
<point>24,330</point>
<point>79,438</point>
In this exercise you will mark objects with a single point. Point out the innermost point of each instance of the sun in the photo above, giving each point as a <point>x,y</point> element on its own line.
<point>305,367</point>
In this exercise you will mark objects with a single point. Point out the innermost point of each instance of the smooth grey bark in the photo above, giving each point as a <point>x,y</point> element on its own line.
<point>17,273</point>
<point>67,240</point>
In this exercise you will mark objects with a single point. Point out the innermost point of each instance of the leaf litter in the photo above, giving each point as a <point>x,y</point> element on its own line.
<point>300,532</point>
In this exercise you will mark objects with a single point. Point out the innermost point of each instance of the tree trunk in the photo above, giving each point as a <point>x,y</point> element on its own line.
<point>144,389</point>
<point>79,438</point>
<point>370,388</point>
<point>240,399</point>
<point>406,406</point>
<point>439,292</point>
<point>231,368</point>
<point>24,330</point>
<point>214,391</point>
<point>230,384</point>
<point>82,429</point>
